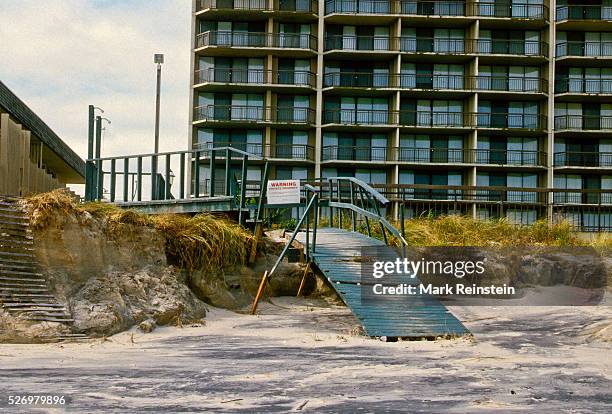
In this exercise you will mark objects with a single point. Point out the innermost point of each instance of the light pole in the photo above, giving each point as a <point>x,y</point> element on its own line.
<point>158,58</point>
<point>89,166</point>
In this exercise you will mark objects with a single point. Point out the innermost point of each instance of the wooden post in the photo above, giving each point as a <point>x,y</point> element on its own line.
<point>258,236</point>
<point>299,292</point>
<point>262,285</point>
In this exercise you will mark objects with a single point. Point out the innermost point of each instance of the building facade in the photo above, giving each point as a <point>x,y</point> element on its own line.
<point>490,108</point>
<point>33,159</point>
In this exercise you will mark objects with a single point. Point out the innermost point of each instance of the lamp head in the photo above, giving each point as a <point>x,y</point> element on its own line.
<point>158,58</point>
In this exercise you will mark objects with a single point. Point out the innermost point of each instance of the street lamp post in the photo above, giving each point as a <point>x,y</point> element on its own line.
<point>158,58</point>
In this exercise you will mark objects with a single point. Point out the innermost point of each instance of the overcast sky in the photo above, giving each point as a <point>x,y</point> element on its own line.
<point>59,56</point>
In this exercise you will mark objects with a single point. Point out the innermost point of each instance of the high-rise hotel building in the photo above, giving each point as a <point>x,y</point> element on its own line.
<point>495,103</point>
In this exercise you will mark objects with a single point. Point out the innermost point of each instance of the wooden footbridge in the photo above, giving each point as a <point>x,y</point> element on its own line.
<point>147,182</point>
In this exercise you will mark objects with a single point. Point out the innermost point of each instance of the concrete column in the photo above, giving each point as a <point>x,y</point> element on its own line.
<point>550,136</point>
<point>319,101</point>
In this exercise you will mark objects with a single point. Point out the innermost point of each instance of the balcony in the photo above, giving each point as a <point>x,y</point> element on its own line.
<point>583,159</point>
<point>350,153</point>
<point>407,7</point>
<point>360,117</point>
<point>511,47</point>
<point>255,77</point>
<point>511,84</point>
<point>256,40</point>
<point>509,157</point>
<point>297,152</point>
<point>584,86</point>
<point>253,114</point>
<point>582,196</point>
<point>435,119</point>
<point>583,123</point>
<point>361,43</point>
<point>583,12</point>
<point>584,49</point>
<point>509,121</point>
<point>358,80</point>
<point>434,45</point>
<point>505,9</point>
<point>431,155</point>
<point>433,81</point>
<point>301,6</point>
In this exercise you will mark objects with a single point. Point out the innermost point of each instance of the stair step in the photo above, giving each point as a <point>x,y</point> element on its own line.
<point>19,273</point>
<point>21,304</point>
<point>21,279</point>
<point>11,270</point>
<point>15,261</point>
<point>16,243</point>
<point>12,223</point>
<point>23,255</point>
<point>25,295</point>
<point>31,283</point>
<point>50,319</point>
<point>24,289</point>
<point>43,313</point>
<point>13,215</point>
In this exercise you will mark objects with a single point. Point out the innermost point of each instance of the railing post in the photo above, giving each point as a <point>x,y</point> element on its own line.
<point>353,223</point>
<point>227,172</point>
<point>154,189</point>
<point>112,181</point>
<point>331,209</point>
<point>402,218</point>
<point>139,179</point>
<point>182,177</point>
<point>307,213</point>
<point>90,154</point>
<point>99,172</point>
<point>315,225</point>
<point>196,181</point>
<point>243,182</point>
<point>367,220</point>
<point>167,192</point>
<point>211,173</point>
<point>126,178</point>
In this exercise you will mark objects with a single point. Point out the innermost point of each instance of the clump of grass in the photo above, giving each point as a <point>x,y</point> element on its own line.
<point>466,231</point>
<point>203,241</point>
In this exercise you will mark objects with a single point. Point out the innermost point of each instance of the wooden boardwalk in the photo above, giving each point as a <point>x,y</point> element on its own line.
<point>421,316</point>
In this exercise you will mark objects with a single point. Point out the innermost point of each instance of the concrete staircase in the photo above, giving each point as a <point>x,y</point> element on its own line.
<point>23,290</point>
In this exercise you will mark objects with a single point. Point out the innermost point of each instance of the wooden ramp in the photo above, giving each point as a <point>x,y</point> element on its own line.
<point>421,316</point>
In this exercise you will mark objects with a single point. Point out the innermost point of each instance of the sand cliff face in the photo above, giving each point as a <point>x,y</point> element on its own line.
<point>111,281</point>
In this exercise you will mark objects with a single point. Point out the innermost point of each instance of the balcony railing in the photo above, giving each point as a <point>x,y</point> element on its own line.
<point>511,84</point>
<point>583,159</point>
<point>431,155</point>
<point>508,9</point>
<point>582,196</point>
<point>573,85</point>
<point>433,81</point>
<point>410,7</point>
<point>409,44</point>
<point>509,157</point>
<point>576,48</point>
<point>361,43</point>
<point>510,121</point>
<point>511,47</point>
<point>434,119</point>
<point>584,12</point>
<point>360,117</point>
<point>256,77</point>
<point>351,153</point>
<point>583,122</point>
<point>358,80</point>
<point>305,6</point>
<point>238,113</point>
<point>298,152</point>
<point>256,39</point>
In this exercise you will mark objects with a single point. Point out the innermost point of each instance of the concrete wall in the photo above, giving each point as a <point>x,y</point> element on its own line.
<point>21,169</point>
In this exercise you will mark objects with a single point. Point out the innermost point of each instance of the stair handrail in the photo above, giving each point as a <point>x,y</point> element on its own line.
<point>373,197</point>
<point>313,203</point>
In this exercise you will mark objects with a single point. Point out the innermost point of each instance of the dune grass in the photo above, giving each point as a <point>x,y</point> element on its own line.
<point>203,241</point>
<point>466,231</point>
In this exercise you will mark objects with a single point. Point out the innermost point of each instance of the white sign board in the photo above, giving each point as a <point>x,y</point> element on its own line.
<point>283,192</point>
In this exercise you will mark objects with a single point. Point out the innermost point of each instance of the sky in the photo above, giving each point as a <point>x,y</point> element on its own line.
<point>59,56</point>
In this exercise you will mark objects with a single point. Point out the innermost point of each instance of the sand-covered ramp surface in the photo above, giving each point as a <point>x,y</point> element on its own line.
<point>305,356</point>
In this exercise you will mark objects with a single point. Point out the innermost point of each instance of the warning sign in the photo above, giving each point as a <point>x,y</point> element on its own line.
<point>283,192</point>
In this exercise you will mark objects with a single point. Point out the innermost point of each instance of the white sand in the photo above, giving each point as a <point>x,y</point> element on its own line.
<point>300,355</point>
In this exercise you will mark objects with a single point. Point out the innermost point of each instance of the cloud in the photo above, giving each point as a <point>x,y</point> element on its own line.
<point>61,55</point>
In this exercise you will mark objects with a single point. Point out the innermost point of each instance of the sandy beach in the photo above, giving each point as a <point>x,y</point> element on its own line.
<point>304,355</point>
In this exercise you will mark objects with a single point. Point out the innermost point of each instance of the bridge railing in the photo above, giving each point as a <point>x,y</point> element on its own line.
<point>152,177</point>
